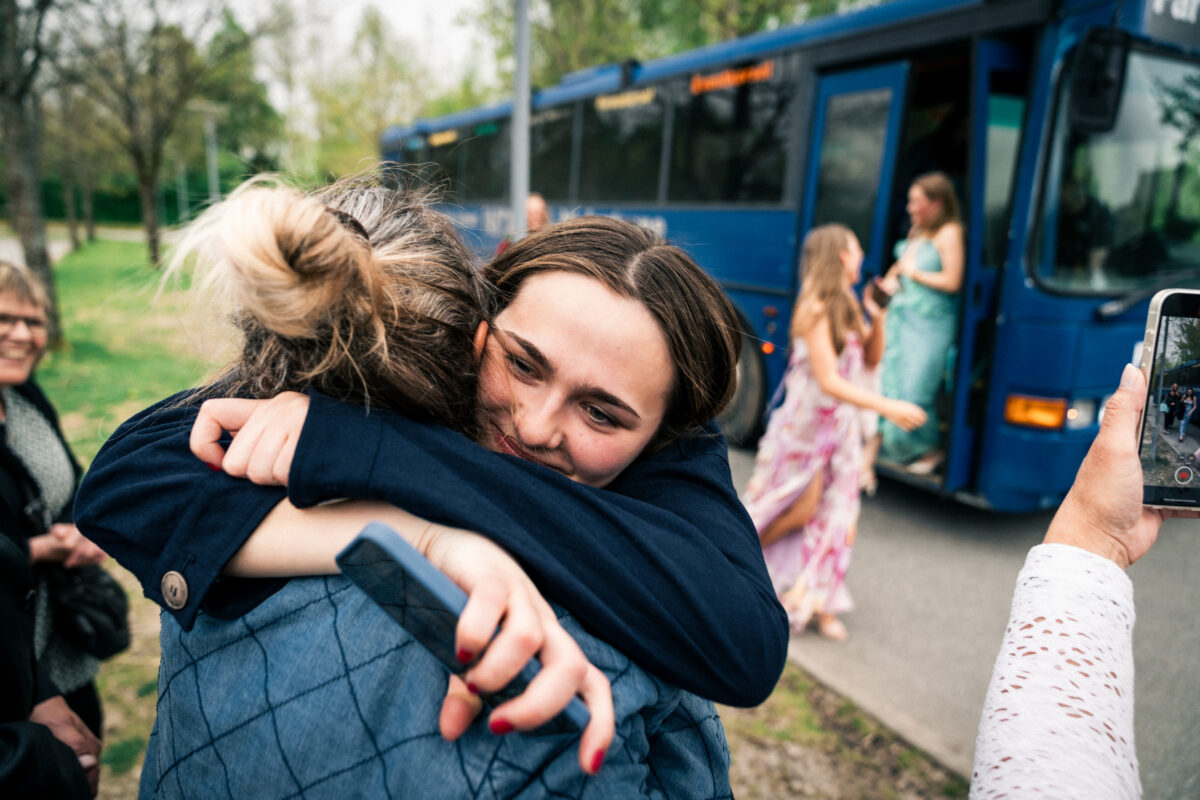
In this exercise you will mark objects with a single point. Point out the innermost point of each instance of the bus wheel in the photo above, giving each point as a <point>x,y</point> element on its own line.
<point>741,421</point>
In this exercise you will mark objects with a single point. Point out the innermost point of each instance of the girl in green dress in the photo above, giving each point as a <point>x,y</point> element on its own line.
<point>923,318</point>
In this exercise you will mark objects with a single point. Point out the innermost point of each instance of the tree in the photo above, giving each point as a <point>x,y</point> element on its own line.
<point>255,131</point>
<point>570,36</point>
<point>379,83</point>
<point>22,54</point>
<point>142,67</point>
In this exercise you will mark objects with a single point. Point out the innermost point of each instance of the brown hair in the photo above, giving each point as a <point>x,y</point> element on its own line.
<point>701,328</point>
<point>938,188</point>
<point>21,281</point>
<point>822,288</point>
<point>360,291</point>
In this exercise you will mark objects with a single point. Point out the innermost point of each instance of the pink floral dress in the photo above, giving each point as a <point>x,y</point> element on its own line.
<point>810,432</point>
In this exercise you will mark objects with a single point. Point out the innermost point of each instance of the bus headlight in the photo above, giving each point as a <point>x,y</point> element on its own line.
<point>1035,412</point>
<point>1081,414</point>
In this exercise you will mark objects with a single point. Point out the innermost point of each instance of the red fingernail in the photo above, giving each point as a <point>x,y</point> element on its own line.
<point>213,467</point>
<point>597,761</point>
<point>500,727</point>
<point>465,656</point>
<point>472,688</point>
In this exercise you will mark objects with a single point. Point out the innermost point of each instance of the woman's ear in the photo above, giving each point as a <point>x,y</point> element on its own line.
<point>480,341</point>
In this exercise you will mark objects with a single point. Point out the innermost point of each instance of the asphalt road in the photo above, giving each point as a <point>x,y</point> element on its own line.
<point>932,582</point>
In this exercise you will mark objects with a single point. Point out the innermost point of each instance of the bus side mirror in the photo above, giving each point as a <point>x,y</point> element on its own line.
<point>1097,80</point>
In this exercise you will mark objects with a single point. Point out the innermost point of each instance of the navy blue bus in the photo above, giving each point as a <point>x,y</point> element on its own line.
<point>1034,108</point>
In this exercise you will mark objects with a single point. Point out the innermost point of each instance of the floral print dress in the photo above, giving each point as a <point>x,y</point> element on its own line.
<point>810,433</point>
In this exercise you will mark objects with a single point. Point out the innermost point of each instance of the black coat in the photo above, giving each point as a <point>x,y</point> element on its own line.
<point>18,492</point>
<point>32,762</point>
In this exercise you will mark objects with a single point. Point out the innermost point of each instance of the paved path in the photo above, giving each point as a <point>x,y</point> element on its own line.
<point>933,582</point>
<point>10,249</point>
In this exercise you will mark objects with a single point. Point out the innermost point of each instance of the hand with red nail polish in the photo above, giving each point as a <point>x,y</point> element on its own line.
<point>500,595</point>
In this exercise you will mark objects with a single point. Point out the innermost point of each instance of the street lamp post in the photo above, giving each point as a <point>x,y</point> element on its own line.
<point>211,112</point>
<point>519,179</point>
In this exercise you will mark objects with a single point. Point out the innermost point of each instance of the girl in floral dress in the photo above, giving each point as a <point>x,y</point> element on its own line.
<point>804,495</point>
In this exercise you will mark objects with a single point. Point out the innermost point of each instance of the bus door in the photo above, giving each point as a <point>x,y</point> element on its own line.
<point>998,91</point>
<point>855,135</point>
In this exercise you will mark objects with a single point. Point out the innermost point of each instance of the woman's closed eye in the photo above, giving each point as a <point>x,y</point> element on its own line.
<point>597,416</point>
<point>520,367</point>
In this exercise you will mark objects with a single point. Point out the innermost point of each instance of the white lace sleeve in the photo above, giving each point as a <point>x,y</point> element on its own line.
<point>1058,717</point>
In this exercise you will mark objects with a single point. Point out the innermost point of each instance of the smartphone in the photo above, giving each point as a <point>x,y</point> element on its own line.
<point>427,603</point>
<point>880,295</point>
<point>1170,355</point>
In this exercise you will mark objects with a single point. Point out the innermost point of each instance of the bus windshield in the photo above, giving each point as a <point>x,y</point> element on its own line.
<point>1122,208</point>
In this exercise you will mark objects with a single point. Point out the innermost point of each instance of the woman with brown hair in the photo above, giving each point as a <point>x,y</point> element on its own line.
<point>923,319</point>
<point>587,368</point>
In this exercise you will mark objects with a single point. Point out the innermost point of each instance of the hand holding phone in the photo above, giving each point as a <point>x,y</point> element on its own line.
<point>879,294</point>
<point>428,604</point>
<point>1169,457</point>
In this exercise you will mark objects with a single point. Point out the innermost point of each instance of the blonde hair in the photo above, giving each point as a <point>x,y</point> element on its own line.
<point>26,286</point>
<point>361,291</point>
<point>823,290</point>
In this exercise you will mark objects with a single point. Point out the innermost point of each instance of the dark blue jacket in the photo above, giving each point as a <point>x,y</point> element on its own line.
<point>664,563</point>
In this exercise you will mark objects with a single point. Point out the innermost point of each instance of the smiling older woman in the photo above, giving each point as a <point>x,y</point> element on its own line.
<point>38,476</point>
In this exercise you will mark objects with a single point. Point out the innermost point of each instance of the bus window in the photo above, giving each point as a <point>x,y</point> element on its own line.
<point>730,135</point>
<point>550,152</point>
<point>1121,208</point>
<point>622,146</point>
<point>485,162</point>
<point>852,159</point>
<point>445,149</point>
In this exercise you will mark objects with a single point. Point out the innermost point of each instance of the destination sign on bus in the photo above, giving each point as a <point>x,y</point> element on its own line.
<point>443,137</point>
<point>1175,20</point>
<point>730,78</point>
<point>631,99</point>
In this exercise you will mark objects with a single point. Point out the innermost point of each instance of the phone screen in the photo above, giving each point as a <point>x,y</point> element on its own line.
<point>1170,437</point>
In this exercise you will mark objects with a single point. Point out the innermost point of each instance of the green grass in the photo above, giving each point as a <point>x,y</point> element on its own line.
<point>123,348</point>
<point>122,756</point>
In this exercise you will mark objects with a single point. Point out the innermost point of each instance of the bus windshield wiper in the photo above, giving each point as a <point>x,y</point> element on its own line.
<point>1113,308</point>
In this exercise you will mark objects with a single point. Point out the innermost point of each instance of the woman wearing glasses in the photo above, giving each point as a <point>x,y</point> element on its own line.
<point>38,476</point>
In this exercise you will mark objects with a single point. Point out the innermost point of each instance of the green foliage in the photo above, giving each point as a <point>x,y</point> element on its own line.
<point>124,350</point>
<point>251,128</point>
<point>565,37</point>
<point>378,84</point>
<point>1183,344</point>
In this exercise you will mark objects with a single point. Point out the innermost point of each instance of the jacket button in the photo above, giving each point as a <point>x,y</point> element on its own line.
<point>175,590</point>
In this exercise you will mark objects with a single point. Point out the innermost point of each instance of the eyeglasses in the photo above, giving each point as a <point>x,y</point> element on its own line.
<point>36,325</point>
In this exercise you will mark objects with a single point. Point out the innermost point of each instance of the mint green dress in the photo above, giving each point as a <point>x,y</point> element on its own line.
<point>919,358</point>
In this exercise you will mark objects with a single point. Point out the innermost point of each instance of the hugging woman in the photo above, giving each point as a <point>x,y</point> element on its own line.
<point>618,505</point>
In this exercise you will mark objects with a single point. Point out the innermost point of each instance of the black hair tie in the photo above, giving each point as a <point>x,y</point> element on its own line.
<point>350,223</point>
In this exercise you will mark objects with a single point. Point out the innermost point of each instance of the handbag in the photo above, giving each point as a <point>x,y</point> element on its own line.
<point>90,609</point>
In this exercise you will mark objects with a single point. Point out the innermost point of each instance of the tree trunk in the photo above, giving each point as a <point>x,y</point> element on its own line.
<point>68,180</point>
<point>86,191</point>
<point>70,165</point>
<point>22,176</point>
<point>146,185</point>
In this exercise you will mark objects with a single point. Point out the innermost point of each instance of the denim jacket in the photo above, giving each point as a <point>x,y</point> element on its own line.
<point>318,693</point>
